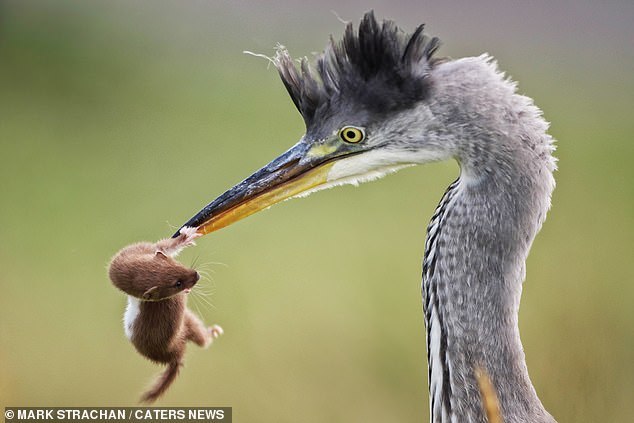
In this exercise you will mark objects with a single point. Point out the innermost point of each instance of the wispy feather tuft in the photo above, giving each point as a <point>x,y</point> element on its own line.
<point>378,67</point>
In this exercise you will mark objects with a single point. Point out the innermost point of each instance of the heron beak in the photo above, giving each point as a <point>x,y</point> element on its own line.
<point>298,170</point>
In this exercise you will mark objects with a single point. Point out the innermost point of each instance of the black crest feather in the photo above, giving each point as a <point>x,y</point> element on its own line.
<point>380,68</point>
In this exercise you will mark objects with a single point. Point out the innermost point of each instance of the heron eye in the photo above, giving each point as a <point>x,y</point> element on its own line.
<point>351,134</point>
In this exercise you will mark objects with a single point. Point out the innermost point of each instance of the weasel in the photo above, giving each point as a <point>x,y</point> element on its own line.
<point>157,320</point>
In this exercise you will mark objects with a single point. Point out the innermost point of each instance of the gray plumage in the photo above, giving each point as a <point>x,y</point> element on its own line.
<point>390,65</point>
<point>472,284</point>
<point>480,235</point>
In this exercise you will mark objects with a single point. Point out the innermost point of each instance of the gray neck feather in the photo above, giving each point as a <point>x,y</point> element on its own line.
<point>478,241</point>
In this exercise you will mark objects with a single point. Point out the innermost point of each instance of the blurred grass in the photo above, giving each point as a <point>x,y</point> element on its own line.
<point>119,121</point>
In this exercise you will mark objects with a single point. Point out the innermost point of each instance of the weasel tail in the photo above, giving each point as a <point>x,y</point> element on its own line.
<point>162,383</point>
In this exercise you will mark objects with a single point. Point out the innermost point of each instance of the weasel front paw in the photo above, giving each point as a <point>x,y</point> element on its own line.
<point>215,331</point>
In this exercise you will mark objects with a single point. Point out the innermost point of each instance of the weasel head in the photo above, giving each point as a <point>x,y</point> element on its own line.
<point>151,276</point>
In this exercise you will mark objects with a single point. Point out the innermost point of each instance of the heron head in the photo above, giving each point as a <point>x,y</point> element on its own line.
<point>365,105</point>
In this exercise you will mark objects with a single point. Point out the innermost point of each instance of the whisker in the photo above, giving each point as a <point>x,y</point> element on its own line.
<point>215,263</point>
<point>206,301</point>
<point>204,274</point>
<point>196,305</point>
<point>218,263</point>
<point>201,288</point>
<point>205,268</point>
<point>205,294</point>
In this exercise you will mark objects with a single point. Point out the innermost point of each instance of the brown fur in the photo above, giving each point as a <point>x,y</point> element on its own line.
<point>163,324</point>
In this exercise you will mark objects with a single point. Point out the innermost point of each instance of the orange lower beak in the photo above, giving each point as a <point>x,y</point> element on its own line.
<point>294,172</point>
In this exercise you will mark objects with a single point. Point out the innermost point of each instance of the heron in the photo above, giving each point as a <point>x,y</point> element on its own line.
<point>379,100</point>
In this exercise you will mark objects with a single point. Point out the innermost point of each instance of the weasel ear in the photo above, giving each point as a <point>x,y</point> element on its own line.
<point>161,254</point>
<point>150,293</point>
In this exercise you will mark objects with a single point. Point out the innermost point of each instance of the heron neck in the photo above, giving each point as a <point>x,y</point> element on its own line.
<point>474,267</point>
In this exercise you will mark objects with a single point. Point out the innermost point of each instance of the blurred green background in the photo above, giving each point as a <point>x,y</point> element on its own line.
<point>119,120</point>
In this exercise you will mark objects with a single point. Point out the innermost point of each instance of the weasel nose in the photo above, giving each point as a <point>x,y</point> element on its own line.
<point>196,277</point>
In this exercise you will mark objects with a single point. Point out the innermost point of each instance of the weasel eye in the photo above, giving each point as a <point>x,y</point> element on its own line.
<point>351,134</point>
<point>178,283</point>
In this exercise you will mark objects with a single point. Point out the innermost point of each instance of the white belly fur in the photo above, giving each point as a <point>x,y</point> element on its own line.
<point>130,315</point>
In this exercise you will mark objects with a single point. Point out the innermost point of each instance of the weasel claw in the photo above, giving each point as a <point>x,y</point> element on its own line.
<point>215,331</point>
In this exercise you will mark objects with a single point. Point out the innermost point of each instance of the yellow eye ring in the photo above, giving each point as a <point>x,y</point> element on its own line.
<point>351,134</point>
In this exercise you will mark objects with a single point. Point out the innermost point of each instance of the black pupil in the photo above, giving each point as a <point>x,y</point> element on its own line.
<point>178,283</point>
<point>350,134</point>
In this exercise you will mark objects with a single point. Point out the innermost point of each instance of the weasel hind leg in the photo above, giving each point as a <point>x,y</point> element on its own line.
<point>173,246</point>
